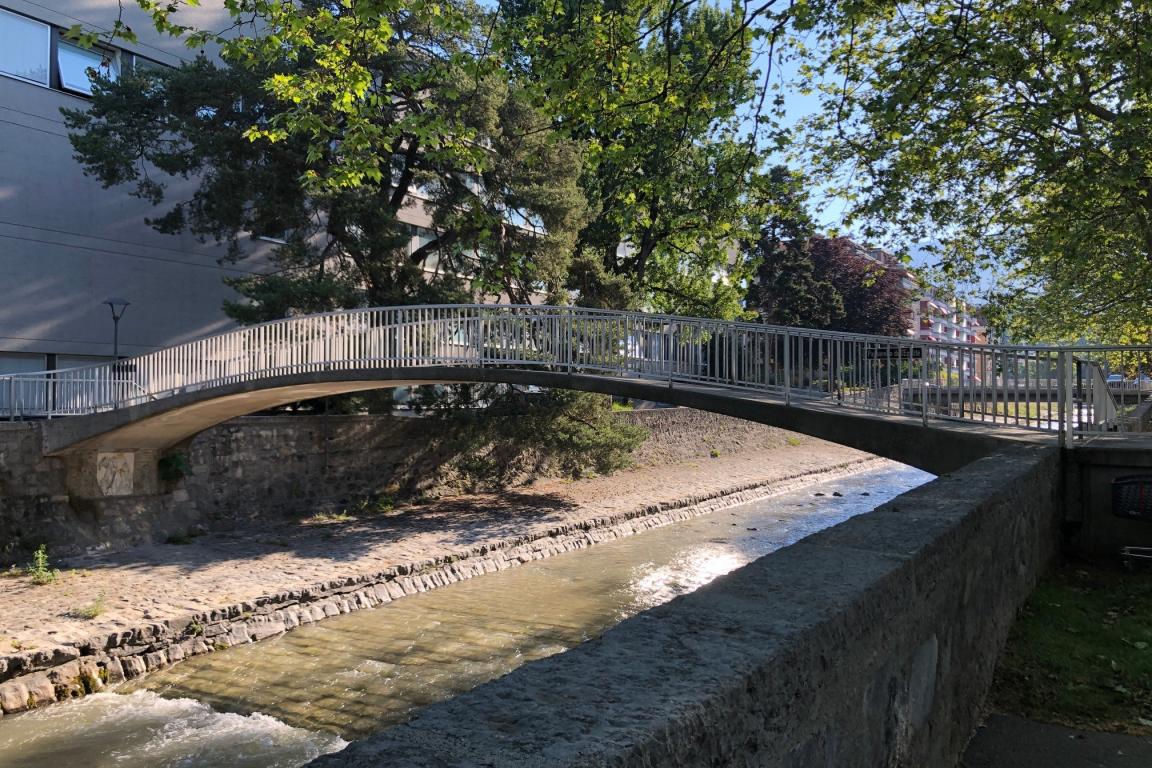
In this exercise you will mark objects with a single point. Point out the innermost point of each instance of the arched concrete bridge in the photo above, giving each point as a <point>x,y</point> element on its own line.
<point>932,405</point>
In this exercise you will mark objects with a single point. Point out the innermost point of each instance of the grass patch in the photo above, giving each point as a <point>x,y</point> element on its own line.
<point>1080,653</point>
<point>90,611</point>
<point>328,517</point>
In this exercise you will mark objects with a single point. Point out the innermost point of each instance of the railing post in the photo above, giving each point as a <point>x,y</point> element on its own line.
<point>569,340</point>
<point>479,318</point>
<point>1063,394</point>
<point>787,369</point>
<point>923,385</point>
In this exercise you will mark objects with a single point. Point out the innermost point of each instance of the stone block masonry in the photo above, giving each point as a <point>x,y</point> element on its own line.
<point>269,466</point>
<point>38,506</point>
<point>869,644</point>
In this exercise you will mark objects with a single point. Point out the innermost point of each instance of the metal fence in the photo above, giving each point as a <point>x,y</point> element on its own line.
<point>1062,390</point>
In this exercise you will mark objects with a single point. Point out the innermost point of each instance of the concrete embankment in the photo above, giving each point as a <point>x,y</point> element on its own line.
<point>869,644</point>
<point>167,602</point>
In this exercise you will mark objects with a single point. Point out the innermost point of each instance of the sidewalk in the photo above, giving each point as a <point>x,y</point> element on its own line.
<point>1007,741</point>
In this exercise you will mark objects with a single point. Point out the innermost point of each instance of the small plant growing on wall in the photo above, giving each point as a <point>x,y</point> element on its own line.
<point>180,538</point>
<point>172,468</point>
<point>40,570</point>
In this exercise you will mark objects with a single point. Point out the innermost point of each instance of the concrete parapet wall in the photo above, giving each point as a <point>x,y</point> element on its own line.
<point>870,644</point>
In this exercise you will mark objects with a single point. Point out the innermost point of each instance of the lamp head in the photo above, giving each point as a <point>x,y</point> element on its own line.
<point>117,306</point>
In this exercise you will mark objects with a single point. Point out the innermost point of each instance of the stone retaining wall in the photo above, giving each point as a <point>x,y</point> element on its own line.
<point>37,678</point>
<point>276,465</point>
<point>37,507</point>
<point>869,644</point>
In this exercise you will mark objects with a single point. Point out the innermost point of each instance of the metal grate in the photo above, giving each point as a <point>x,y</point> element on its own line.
<point>1132,497</point>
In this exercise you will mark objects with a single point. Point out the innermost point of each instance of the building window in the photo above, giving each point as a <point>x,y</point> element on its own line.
<point>25,48</point>
<point>75,63</point>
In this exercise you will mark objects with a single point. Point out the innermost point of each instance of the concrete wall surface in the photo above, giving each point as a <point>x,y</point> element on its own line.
<point>870,644</point>
<point>1099,532</point>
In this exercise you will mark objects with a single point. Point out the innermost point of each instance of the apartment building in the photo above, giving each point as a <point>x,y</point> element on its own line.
<point>66,244</point>
<point>933,318</point>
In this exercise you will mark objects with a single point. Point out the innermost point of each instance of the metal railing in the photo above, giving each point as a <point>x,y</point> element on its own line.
<point>1065,391</point>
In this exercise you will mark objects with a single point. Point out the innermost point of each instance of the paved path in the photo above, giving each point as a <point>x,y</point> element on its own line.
<point>167,581</point>
<point>1007,741</point>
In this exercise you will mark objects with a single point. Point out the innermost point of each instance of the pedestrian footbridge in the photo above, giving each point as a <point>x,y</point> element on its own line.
<point>933,405</point>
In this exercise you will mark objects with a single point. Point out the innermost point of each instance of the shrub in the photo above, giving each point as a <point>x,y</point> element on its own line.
<point>40,571</point>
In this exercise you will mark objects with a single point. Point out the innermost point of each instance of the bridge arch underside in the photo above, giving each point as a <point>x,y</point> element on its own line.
<point>159,425</point>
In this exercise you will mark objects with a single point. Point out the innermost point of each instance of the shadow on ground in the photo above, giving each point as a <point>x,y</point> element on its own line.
<point>1007,741</point>
<point>459,522</point>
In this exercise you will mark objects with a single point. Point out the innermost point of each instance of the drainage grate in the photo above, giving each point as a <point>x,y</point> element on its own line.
<point>1132,497</point>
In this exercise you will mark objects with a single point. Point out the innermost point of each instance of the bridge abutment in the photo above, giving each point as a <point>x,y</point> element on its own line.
<point>96,474</point>
<point>1097,531</point>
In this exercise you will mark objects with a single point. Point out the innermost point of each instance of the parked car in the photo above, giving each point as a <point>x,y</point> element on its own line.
<point>1115,378</point>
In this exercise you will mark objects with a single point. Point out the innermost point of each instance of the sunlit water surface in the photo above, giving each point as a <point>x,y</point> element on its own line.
<point>284,701</point>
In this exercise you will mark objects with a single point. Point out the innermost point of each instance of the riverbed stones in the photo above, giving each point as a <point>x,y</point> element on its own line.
<point>41,691</point>
<point>13,696</point>
<point>133,667</point>
<point>265,627</point>
<point>113,671</point>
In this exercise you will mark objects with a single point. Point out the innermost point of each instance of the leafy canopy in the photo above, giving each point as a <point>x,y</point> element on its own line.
<point>503,208</point>
<point>1008,133</point>
<point>660,94</point>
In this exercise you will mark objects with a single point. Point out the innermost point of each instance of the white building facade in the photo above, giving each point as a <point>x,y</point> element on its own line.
<point>66,244</point>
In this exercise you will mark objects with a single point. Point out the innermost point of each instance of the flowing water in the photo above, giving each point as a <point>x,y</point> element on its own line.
<point>286,700</point>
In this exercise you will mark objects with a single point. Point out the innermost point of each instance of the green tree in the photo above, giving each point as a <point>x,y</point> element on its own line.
<point>523,433</point>
<point>808,281</point>
<point>787,289</point>
<point>506,228</point>
<point>656,92</point>
<point>1004,132</point>
<point>319,127</point>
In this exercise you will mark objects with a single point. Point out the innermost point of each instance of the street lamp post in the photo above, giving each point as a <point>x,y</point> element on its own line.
<point>117,306</point>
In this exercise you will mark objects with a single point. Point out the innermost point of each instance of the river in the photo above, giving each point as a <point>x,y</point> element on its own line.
<point>284,701</point>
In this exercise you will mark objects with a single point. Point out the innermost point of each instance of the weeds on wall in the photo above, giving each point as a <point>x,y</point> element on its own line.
<point>172,468</point>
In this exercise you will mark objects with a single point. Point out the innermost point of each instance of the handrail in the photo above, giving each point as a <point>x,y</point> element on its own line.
<point>1006,385</point>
